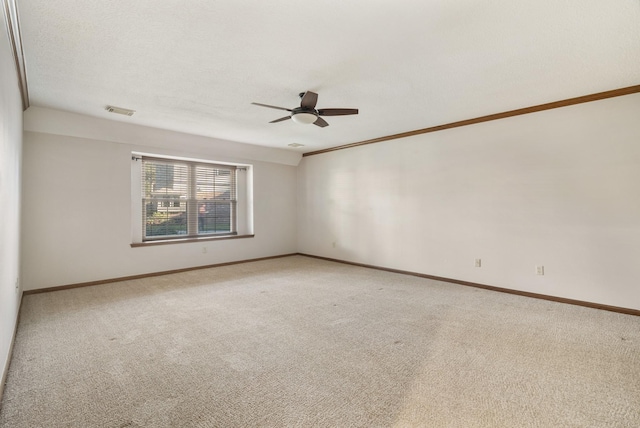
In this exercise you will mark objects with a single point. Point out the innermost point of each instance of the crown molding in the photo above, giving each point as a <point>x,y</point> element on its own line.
<point>541,107</point>
<point>12,23</point>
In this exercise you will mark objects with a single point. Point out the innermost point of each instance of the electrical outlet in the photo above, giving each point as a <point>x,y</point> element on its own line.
<point>539,270</point>
<point>478,262</point>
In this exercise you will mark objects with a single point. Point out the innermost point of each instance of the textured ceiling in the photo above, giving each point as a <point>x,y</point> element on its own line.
<point>196,66</point>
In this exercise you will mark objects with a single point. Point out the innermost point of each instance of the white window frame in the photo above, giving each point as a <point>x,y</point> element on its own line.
<point>243,215</point>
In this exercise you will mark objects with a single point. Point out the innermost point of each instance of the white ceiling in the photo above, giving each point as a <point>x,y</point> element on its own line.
<point>195,66</point>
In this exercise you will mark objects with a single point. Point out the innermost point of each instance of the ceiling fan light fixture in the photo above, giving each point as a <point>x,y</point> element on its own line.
<point>304,118</point>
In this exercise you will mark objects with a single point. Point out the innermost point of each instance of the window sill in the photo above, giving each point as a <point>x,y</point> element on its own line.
<point>187,240</point>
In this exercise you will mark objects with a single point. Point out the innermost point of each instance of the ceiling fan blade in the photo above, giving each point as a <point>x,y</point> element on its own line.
<point>321,122</point>
<point>281,119</point>
<point>337,111</point>
<point>309,100</point>
<point>276,107</point>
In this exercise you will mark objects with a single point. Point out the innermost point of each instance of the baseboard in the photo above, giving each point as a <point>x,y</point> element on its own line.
<point>593,305</point>
<point>147,275</point>
<point>7,363</point>
<point>621,310</point>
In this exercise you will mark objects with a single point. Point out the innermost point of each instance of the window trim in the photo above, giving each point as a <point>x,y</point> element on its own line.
<point>188,240</point>
<point>243,204</point>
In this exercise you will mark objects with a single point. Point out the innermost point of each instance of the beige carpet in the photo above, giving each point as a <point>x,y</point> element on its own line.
<point>300,342</point>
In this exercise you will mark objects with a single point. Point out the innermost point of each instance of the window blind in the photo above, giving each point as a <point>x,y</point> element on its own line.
<point>183,199</point>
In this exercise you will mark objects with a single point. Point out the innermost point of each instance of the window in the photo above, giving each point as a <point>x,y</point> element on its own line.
<point>183,199</point>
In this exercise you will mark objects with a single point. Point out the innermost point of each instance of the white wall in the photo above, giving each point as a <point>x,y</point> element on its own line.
<point>559,188</point>
<point>46,120</point>
<point>10,155</point>
<point>77,203</point>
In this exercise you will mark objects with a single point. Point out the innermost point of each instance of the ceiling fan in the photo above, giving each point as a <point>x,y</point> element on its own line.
<point>307,112</point>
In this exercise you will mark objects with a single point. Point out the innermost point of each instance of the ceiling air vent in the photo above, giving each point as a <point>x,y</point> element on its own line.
<point>295,145</point>
<point>119,110</point>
